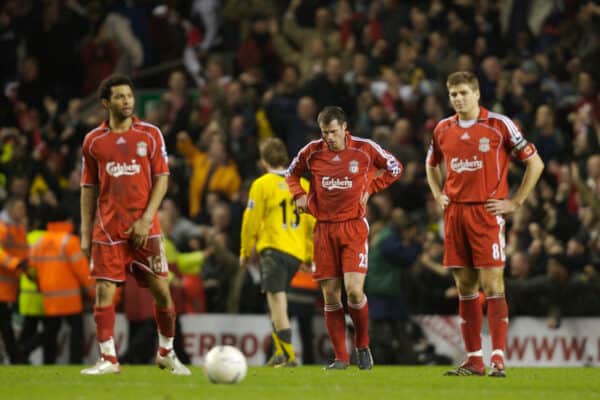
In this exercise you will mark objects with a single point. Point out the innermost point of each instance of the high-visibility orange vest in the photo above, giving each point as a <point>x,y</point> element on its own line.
<point>13,249</point>
<point>62,270</point>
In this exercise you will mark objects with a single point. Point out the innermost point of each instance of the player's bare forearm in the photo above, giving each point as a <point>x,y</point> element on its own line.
<point>533,171</point>
<point>434,180</point>
<point>293,182</point>
<point>159,189</point>
<point>89,194</point>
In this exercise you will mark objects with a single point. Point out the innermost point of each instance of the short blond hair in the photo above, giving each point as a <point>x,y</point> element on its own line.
<point>273,151</point>
<point>460,77</point>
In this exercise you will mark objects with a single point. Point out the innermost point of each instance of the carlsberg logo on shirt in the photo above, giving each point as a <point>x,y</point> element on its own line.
<point>458,165</point>
<point>336,183</point>
<point>117,169</point>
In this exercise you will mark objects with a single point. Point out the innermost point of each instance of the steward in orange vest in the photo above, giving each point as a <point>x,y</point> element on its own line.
<point>13,261</point>
<point>62,271</point>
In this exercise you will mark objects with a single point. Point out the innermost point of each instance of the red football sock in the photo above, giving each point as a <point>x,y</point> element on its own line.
<point>165,320</point>
<point>360,317</point>
<point>471,314</point>
<point>105,322</point>
<point>336,328</point>
<point>497,316</point>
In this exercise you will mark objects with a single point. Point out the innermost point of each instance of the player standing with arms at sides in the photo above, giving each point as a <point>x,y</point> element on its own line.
<point>475,145</point>
<point>345,170</point>
<point>124,179</point>
<point>283,239</point>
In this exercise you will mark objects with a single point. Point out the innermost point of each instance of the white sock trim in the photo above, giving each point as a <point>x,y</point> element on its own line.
<point>165,342</point>
<point>498,352</point>
<point>333,307</point>
<point>477,353</point>
<point>495,296</point>
<point>108,347</point>
<point>469,297</point>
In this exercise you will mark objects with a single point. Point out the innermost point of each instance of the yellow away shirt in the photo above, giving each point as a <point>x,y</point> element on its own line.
<point>272,221</point>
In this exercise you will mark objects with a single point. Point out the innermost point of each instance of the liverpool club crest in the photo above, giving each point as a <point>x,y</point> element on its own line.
<point>142,149</point>
<point>484,145</point>
<point>353,167</point>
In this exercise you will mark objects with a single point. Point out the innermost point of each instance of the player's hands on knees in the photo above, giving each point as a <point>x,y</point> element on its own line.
<point>443,201</point>
<point>499,207</point>
<point>138,232</point>
<point>302,203</point>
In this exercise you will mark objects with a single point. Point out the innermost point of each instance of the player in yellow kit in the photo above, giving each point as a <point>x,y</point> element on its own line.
<point>283,240</point>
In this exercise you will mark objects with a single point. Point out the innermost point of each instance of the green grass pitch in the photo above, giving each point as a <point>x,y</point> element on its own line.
<point>307,383</point>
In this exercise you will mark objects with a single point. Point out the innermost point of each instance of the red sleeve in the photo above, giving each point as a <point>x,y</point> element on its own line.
<point>295,171</point>
<point>386,162</point>
<point>159,158</point>
<point>434,154</point>
<point>89,165</point>
<point>515,141</point>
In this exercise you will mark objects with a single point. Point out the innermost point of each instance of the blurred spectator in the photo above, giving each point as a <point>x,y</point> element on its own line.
<point>213,170</point>
<point>302,36</point>
<point>31,90</point>
<point>31,307</point>
<point>131,52</point>
<point>258,51</point>
<point>329,87</point>
<point>62,272</point>
<point>394,250</point>
<point>547,137</point>
<point>281,101</point>
<point>177,104</point>
<point>310,62</point>
<point>14,261</point>
<point>434,290</point>
<point>302,128</point>
<point>99,54</point>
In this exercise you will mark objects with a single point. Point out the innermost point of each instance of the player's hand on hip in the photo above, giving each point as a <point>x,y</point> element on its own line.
<point>499,207</point>
<point>139,232</point>
<point>302,203</point>
<point>243,261</point>
<point>443,201</point>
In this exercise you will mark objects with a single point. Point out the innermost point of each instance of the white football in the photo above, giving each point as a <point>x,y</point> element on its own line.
<point>225,364</point>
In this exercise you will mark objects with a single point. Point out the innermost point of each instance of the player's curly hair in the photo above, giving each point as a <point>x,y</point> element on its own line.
<point>460,77</point>
<point>105,88</point>
<point>273,151</point>
<point>330,113</point>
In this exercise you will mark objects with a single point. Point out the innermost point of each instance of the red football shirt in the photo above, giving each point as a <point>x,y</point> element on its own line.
<point>340,178</point>
<point>123,166</point>
<point>477,156</point>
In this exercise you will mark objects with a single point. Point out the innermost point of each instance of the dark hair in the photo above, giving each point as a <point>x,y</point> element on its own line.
<point>330,113</point>
<point>105,88</point>
<point>273,151</point>
<point>466,77</point>
<point>58,214</point>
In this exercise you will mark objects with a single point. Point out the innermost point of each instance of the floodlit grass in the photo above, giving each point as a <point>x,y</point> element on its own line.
<point>307,383</point>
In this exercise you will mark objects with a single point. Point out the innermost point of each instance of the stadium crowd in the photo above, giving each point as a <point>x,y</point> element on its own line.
<point>232,72</point>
